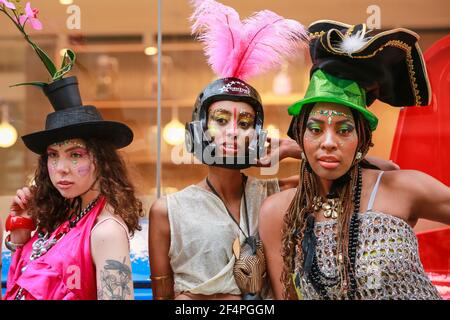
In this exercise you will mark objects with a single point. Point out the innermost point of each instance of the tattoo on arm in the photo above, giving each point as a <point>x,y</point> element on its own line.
<point>115,281</point>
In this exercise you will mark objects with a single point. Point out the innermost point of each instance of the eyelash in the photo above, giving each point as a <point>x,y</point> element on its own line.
<point>346,130</point>
<point>245,124</point>
<point>242,124</point>
<point>343,131</point>
<point>221,121</point>
<point>314,129</point>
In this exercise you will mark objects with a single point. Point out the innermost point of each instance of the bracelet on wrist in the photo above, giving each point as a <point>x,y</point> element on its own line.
<point>16,222</point>
<point>11,246</point>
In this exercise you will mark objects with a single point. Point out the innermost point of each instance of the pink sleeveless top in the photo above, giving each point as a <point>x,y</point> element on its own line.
<point>65,272</point>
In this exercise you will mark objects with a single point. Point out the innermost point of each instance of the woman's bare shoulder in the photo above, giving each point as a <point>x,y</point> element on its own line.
<point>158,209</point>
<point>277,204</point>
<point>106,214</point>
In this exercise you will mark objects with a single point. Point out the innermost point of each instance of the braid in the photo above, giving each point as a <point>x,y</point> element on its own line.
<point>302,205</point>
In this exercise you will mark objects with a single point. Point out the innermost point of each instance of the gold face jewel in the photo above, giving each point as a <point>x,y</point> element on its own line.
<point>330,114</point>
<point>67,142</point>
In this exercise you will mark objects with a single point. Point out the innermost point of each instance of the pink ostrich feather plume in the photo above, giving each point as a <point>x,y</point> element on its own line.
<point>243,49</point>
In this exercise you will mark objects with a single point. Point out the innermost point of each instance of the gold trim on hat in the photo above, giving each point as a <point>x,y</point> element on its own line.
<point>395,43</point>
<point>316,34</point>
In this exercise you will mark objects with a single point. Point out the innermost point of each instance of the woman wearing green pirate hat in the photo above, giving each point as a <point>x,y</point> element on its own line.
<point>347,228</point>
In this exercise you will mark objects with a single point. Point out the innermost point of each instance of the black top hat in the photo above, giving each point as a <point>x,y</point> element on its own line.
<point>388,65</point>
<point>73,120</point>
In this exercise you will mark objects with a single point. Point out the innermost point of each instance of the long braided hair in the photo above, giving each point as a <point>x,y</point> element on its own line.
<point>302,204</point>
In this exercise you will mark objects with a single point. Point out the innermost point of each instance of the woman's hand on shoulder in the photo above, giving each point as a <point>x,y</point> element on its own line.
<point>384,165</point>
<point>111,255</point>
<point>279,149</point>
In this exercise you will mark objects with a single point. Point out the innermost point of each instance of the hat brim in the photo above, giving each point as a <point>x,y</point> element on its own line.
<point>119,134</point>
<point>296,108</point>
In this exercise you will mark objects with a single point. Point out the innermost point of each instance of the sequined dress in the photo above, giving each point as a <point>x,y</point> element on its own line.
<point>387,266</point>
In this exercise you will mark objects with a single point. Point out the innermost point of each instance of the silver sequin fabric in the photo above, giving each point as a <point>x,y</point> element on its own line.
<point>387,261</point>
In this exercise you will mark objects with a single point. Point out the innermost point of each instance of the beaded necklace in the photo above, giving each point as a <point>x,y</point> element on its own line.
<point>311,268</point>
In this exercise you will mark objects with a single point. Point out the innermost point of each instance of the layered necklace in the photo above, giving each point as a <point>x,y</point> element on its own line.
<point>45,242</point>
<point>311,269</point>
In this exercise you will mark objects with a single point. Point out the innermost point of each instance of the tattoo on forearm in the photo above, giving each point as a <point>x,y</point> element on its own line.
<point>116,281</point>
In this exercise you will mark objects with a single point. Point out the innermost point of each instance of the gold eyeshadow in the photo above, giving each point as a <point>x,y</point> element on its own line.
<point>246,117</point>
<point>221,114</point>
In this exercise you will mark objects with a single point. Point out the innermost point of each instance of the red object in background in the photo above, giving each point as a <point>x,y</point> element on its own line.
<point>422,138</point>
<point>434,250</point>
<point>422,142</point>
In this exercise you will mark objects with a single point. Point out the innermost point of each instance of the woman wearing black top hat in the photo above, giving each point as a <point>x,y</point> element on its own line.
<point>81,204</point>
<point>346,231</point>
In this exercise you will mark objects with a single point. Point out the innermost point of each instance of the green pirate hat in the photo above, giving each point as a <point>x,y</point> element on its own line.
<point>353,68</point>
<point>324,87</point>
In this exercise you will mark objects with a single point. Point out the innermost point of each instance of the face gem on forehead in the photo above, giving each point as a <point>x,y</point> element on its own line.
<point>330,114</point>
<point>68,142</point>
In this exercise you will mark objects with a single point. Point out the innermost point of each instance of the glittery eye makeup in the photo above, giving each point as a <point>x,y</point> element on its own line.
<point>221,116</point>
<point>313,126</point>
<point>345,129</point>
<point>245,120</point>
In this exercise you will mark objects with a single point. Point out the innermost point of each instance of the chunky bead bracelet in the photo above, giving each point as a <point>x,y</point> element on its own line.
<point>11,246</point>
<point>17,222</point>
